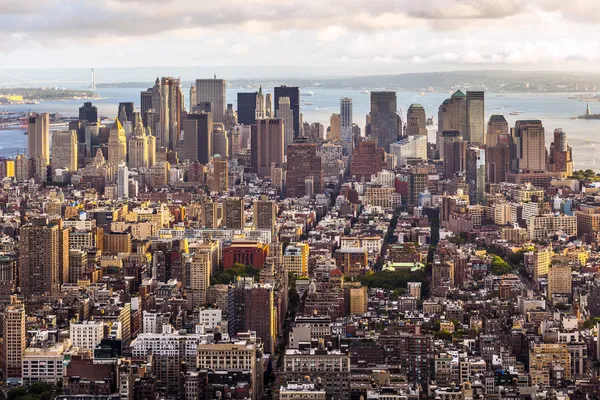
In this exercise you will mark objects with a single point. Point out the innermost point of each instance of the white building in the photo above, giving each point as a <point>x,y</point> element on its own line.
<point>210,318</point>
<point>87,335</point>
<point>123,181</point>
<point>44,364</point>
<point>410,147</point>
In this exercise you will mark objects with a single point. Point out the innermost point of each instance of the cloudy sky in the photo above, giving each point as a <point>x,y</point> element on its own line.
<point>354,36</point>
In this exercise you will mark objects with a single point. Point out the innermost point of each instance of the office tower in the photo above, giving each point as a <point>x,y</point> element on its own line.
<point>294,95</point>
<point>559,280</point>
<point>496,126</point>
<point>475,118</point>
<point>408,148</point>
<point>455,150</point>
<point>346,131</point>
<point>233,213</point>
<point>14,343</point>
<point>192,97</point>
<point>39,263</point>
<point>452,116</point>
<point>126,112</point>
<point>39,144</point>
<point>252,308</point>
<point>269,106</point>
<point>529,151</point>
<point>123,181</point>
<point>475,175</point>
<point>64,151</point>
<point>384,119</point>
<point>218,174</point>
<point>198,130</point>
<point>139,146</point>
<point>285,113</point>
<point>335,129</point>
<point>246,107</point>
<point>220,140</point>
<point>198,279</point>
<point>117,144</point>
<point>416,121</point>
<point>497,158</point>
<point>265,215</point>
<point>302,162</point>
<point>418,179</point>
<point>151,108</point>
<point>267,145</point>
<point>213,91</point>
<point>260,111</point>
<point>170,108</point>
<point>88,112</point>
<point>561,155</point>
<point>367,160</point>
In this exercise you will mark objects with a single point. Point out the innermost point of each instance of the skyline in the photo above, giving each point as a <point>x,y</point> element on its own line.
<point>356,38</point>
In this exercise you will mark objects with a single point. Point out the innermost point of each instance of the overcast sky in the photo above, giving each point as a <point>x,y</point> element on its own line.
<point>358,36</point>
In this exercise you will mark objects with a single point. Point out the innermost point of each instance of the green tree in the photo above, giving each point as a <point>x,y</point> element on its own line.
<point>499,266</point>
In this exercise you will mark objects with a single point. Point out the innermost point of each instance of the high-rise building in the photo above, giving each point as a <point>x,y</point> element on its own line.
<point>346,130</point>
<point>559,280</point>
<point>197,137</point>
<point>88,112</point>
<point>125,113</point>
<point>123,181</point>
<point>295,258</point>
<point>64,150</point>
<point>199,278</point>
<point>475,175</point>
<point>416,121</point>
<point>384,119</point>
<point>452,116</point>
<point>367,160</point>
<point>218,174</point>
<point>455,152</point>
<point>214,92</point>
<point>302,162</point>
<point>418,179</point>
<point>150,106</point>
<point>497,125</point>
<point>78,264</point>
<point>561,156</point>
<point>285,113</point>
<point>40,258</point>
<point>265,215</point>
<point>334,132</point>
<point>497,158</point>
<point>139,145</point>
<point>475,117</point>
<point>269,106</point>
<point>220,140</point>
<point>192,97</point>
<point>170,109</point>
<point>38,136</point>
<point>294,95</point>
<point>14,343</point>
<point>117,144</point>
<point>246,107</point>
<point>233,213</point>
<point>267,145</point>
<point>529,149</point>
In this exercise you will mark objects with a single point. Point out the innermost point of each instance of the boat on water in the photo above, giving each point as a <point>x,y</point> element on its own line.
<point>364,91</point>
<point>307,103</point>
<point>514,113</point>
<point>422,93</point>
<point>309,93</point>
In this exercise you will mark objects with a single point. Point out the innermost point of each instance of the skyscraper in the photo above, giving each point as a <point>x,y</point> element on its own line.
<point>416,121</point>
<point>497,159</point>
<point>384,118</point>
<point>139,146</point>
<point>88,112</point>
<point>302,163</point>
<point>39,145</point>
<point>64,151</point>
<point>561,155</point>
<point>260,112</point>
<point>335,130</point>
<point>233,213</point>
<point>265,214</point>
<point>39,263</point>
<point>497,126</point>
<point>346,131</point>
<point>170,109</point>
<point>293,93</point>
<point>246,107</point>
<point>213,91</point>
<point>269,106</point>
<point>267,145</point>
<point>117,144</point>
<point>123,181</point>
<point>126,112</point>
<point>367,159</point>
<point>476,117</point>
<point>285,113</point>
<point>418,179</point>
<point>452,116</point>
<point>220,140</point>
<point>529,151</point>
<point>198,128</point>
<point>218,175</point>
<point>192,97</point>
<point>14,343</point>
<point>150,106</point>
<point>475,175</point>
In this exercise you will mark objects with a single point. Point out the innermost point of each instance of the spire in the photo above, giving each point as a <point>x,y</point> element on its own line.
<point>117,125</point>
<point>260,90</point>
